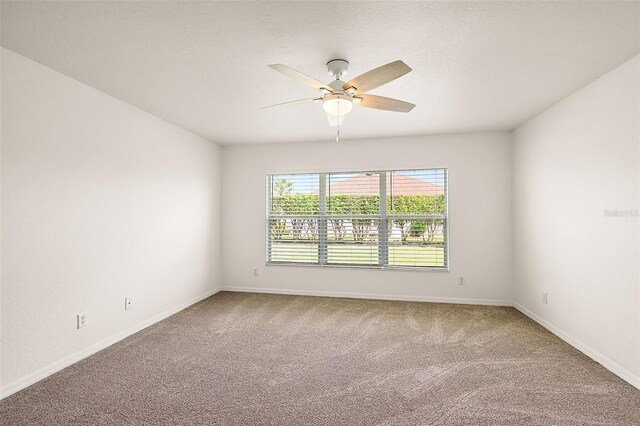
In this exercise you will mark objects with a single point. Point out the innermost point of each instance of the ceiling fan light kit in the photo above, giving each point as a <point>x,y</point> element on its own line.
<point>337,105</point>
<point>339,97</point>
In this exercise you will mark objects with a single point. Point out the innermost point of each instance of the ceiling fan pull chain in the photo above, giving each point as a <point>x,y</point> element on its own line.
<point>338,132</point>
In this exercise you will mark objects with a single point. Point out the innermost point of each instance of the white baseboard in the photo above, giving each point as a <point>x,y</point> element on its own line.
<point>603,360</point>
<point>374,296</point>
<point>54,367</point>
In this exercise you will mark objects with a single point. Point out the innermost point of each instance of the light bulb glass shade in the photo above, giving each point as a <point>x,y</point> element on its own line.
<point>337,107</point>
<point>335,120</point>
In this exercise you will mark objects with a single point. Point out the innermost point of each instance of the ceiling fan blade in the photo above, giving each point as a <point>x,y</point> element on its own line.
<point>378,76</point>
<point>299,101</point>
<point>388,104</point>
<point>302,78</point>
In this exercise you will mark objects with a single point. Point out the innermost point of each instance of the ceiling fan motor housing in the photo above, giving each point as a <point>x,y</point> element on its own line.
<point>336,85</point>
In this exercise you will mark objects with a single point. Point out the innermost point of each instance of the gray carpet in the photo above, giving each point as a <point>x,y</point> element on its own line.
<point>266,359</point>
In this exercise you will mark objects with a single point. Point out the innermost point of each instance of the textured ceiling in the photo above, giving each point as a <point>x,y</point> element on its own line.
<point>203,65</point>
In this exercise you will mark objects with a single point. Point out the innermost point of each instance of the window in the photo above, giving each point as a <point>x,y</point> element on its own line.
<point>377,219</point>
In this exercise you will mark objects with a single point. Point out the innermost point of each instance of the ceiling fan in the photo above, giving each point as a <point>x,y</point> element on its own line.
<point>339,97</point>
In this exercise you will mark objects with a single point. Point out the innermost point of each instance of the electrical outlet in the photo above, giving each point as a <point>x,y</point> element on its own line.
<point>461,281</point>
<point>128,303</point>
<point>82,320</point>
<point>255,272</point>
<point>545,299</point>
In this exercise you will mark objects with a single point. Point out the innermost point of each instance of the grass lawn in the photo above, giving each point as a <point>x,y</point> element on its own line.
<point>407,255</point>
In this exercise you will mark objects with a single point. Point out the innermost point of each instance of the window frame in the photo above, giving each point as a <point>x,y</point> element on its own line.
<point>383,216</point>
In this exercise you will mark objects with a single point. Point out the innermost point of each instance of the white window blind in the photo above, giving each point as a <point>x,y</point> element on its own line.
<point>376,219</point>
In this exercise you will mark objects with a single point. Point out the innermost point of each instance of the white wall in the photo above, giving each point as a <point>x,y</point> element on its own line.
<point>480,216</point>
<point>571,164</point>
<point>100,200</point>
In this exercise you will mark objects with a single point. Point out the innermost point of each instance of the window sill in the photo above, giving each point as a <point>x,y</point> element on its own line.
<point>382,268</point>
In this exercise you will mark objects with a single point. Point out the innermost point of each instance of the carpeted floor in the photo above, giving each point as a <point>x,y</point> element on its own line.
<point>239,358</point>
